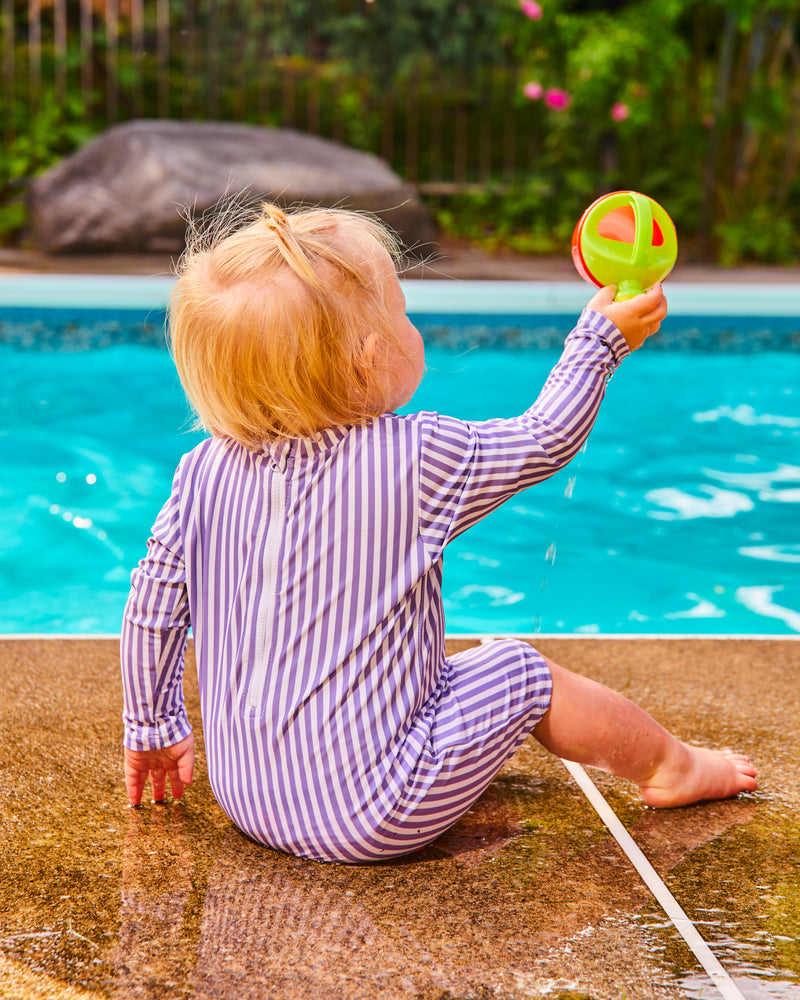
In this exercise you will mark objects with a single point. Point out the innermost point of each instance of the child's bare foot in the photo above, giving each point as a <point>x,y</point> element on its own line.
<point>694,774</point>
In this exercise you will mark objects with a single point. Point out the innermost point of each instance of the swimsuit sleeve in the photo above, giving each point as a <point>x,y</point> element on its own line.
<point>155,629</point>
<point>469,468</point>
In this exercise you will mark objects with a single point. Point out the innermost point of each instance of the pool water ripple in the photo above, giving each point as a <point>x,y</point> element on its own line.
<point>680,517</point>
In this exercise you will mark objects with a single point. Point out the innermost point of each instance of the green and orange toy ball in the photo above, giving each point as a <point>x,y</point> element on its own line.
<point>624,239</point>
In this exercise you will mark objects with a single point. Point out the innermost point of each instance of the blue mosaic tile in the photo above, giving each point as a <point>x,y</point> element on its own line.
<point>733,334</point>
<point>80,328</point>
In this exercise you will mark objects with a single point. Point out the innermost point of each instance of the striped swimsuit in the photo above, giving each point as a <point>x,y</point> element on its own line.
<point>310,573</point>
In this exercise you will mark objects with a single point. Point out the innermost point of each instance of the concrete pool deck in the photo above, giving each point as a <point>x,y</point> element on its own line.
<point>527,896</point>
<point>455,260</point>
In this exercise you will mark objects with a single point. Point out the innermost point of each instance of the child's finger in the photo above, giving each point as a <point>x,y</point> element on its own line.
<point>659,312</point>
<point>603,298</point>
<point>654,301</point>
<point>652,296</point>
<point>181,765</point>
<point>158,781</point>
<point>135,780</point>
<point>186,769</point>
<point>177,783</point>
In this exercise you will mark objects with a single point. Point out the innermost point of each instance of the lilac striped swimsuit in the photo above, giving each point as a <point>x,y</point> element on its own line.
<point>310,572</point>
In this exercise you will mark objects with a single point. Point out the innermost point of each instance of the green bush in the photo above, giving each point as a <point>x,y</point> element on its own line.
<point>524,112</point>
<point>56,128</point>
<point>757,236</point>
<point>697,103</point>
<point>524,217</point>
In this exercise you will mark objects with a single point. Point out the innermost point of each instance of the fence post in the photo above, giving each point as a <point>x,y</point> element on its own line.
<point>112,60</point>
<point>137,56</point>
<point>214,62</point>
<point>162,57</point>
<point>60,49</point>
<point>206,58</point>
<point>86,46</point>
<point>9,69</point>
<point>35,53</point>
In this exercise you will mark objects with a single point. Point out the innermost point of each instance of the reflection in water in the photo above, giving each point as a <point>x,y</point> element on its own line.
<point>761,482</point>
<point>746,909</point>
<point>475,911</point>
<point>772,553</point>
<point>270,925</point>
<point>746,416</point>
<point>759,600</point>
<point>751,988</point>
<point>271,930</point>
<point>702,608</point>
<point>685,506</point>
<point>153,954</point>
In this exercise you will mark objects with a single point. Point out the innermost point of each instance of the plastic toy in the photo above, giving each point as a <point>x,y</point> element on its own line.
<point>624,239</point>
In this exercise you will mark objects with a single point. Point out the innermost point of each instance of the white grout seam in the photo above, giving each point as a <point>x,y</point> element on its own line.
<point>648,874</point>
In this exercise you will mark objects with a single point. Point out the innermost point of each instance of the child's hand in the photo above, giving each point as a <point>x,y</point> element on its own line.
<point>636,318</point>
<point>175,762</point>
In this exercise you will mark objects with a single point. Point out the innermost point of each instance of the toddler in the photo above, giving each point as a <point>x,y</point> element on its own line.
<point>303,543</point>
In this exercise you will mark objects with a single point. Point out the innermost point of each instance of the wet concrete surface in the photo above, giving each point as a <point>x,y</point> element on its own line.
<point>527,896</point>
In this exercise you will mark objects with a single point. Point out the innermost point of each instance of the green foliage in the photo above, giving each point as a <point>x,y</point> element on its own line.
<point>361,123</point>
<point>56,128</point>
<point>757,235</point>
<point>524,217</point>
<point>387,39</point>
<point>696,102</point>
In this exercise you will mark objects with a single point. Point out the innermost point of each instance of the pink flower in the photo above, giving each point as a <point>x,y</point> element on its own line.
<point>557,99</point>
<point>620,111</point>
<point>533,91</point>
<point>531,9</point>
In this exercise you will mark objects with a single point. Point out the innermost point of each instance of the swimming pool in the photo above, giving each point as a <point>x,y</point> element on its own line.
<point>680,517</point>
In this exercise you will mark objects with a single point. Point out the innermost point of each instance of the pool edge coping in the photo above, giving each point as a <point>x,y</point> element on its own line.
<point>426,296</point>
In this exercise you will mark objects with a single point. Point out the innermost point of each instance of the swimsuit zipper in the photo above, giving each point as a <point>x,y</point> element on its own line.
<point>269,582</point>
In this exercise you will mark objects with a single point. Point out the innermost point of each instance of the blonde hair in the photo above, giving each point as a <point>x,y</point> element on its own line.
<point>269,324</point>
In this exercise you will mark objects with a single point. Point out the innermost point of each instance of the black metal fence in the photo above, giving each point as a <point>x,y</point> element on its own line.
<point>105,61</point>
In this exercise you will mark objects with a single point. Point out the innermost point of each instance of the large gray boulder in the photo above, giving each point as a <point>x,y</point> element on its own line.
<point>129,189</point>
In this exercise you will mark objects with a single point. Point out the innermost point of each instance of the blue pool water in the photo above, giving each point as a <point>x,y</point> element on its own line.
<point>680,517</point>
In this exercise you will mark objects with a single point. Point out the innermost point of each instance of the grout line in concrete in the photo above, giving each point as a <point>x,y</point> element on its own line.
<point>648,874</point>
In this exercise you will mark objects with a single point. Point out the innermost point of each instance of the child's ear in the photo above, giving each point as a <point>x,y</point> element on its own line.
<point>370,348</point>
